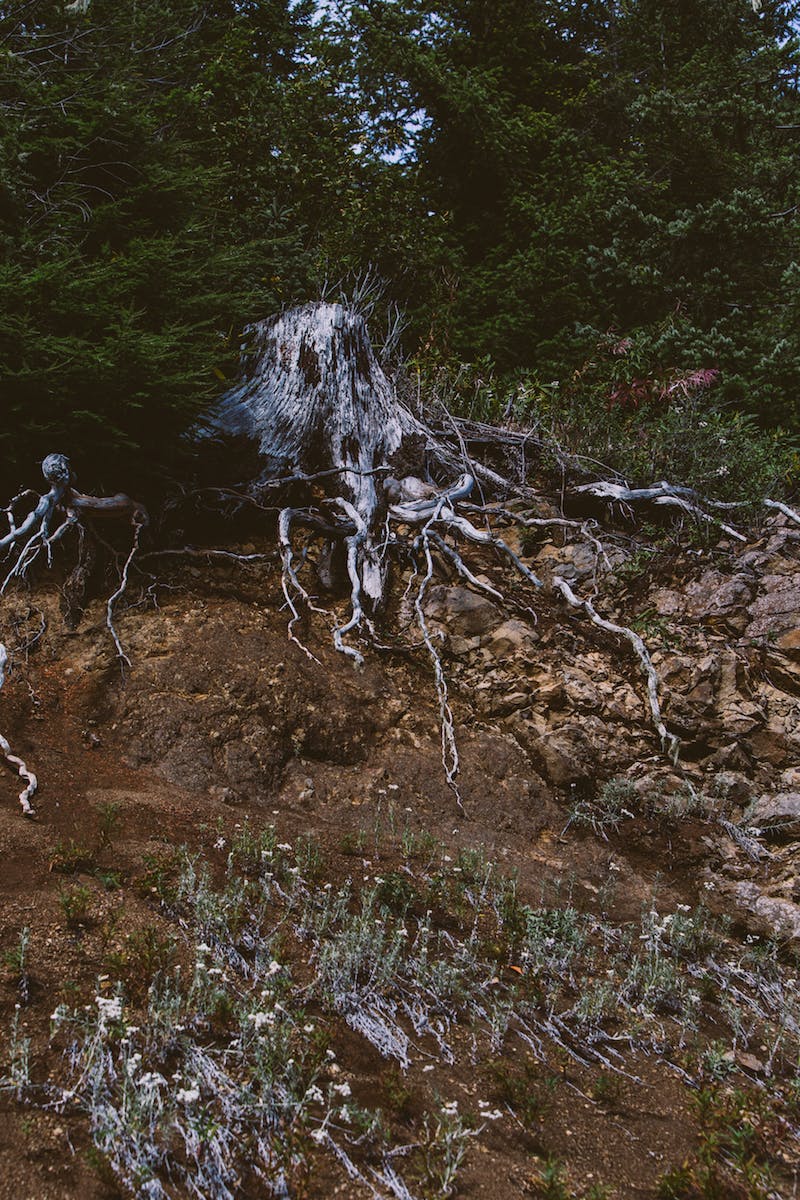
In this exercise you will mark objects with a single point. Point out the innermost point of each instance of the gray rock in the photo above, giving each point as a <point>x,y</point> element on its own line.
<point>512,637</point>
<point>775,610</point>
<point>770,915</point>
<point>462,612</point>
<point>779,813</point>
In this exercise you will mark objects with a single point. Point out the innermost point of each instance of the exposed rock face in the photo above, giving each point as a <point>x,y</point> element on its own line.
<point>780,814</point>
<point>546,706</point>
<point>770,915</point>
<point>775,609</point>
<point>726,645</point>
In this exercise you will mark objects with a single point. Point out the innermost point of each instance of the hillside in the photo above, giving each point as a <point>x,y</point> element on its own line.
<point>254,945</point>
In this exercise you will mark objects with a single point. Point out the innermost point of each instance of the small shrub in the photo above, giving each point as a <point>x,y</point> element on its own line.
<point>352,843</point>
<point>395,892</point>
<point>108,823</point>
<point>16,961</point>
<point>518,1089</point>
<point>70,858</point>
<point>606,1090</point>
<point>615,802</point>
<point>550,1183</point>
<point>441,1149</point>
<point>76,905</point>
<point>399,1095</point>
<point>144,954</point>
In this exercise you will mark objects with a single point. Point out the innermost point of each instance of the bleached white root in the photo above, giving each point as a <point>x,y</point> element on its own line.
<point>291,586</point>
<point>34,531</point>
<point>662,494</point>
<point>783,508</point>
<point>355,544</point>
<point>461,567</point>
<point>120,592</point>
<point>441,509</point>
<point>31,782</point>
<point>33,535</point>
<point>211,554</point>
<point>450,760</point>
<point>670,744</point>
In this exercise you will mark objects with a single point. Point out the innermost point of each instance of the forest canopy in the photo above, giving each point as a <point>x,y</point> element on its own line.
<point>580,208</point>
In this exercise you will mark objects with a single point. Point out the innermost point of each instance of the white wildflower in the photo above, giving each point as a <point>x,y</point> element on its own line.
<point>132,1065</point>
<point>152,1080</point>
<point>342,1089</point>
<point>260,1019</point>
<point>110,1008</point>
<point>189,1095</point>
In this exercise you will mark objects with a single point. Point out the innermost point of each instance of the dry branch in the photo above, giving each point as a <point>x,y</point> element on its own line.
<point>662,494</point>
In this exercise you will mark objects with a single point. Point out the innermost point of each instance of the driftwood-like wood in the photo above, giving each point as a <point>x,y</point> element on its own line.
<point>65,508</point>
<point>17,764</point>
<point>315,399</point>
<point>370,483</point>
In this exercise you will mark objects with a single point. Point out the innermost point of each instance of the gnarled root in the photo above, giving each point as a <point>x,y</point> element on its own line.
<point>670,744</point>
<point>31,782</point>
<point>24,542</point>
<point>664,495</point>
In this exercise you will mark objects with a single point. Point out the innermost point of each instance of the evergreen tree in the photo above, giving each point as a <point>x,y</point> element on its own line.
<point>623,166</point>
<point>161,166</point>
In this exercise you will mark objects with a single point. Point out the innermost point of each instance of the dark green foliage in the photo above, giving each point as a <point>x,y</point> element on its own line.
<point>538,181</point>
<point>160,165</point>
<point>601,167</point>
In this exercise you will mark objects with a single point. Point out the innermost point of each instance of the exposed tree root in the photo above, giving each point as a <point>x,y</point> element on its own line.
<point>662,494</point>
<point>13,761</point>
<point>73,509</point>
<point>120,592</point>
<point>670,744</point>
<point>783,508</point>
<point>48,519</point>
<point>355,469</point>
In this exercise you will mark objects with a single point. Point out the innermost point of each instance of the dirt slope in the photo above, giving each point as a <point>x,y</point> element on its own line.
<point>580,1043</point>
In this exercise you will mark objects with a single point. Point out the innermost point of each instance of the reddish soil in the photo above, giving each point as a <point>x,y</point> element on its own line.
<point>221,719</point>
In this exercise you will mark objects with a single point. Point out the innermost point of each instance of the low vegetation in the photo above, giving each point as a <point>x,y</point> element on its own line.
<point>205,1059</point>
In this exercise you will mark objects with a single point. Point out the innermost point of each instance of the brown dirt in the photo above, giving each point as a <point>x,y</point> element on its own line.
<point>221,719</point>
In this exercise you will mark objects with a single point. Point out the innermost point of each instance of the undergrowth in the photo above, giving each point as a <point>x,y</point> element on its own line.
<point>205,1062</point>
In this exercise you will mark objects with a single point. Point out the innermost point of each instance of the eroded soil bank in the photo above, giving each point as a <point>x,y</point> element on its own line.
<point>582,979</point>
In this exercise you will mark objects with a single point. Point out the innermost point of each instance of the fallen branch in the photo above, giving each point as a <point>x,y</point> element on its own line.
<point>783,508</point>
